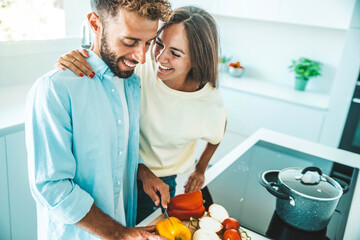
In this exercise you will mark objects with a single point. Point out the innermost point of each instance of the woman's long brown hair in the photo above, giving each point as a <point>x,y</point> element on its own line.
<point>203,41</point>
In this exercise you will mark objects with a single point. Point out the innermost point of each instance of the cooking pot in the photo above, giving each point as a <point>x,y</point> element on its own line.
<point>305,198</point>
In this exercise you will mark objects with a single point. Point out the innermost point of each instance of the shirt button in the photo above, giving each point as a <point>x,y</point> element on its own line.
<point>120,153</point>
<point>113,90</point>
<point>118,183</point>
<point>119,121</point>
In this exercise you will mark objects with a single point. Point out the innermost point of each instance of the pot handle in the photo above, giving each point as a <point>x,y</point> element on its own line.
<point>271,189</point>
<point>262,177</point>
<point>343,184</point>
<point>312,169</point>
<point>310,181</point>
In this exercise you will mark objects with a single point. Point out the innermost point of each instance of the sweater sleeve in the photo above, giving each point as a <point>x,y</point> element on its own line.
<point>216,126</point>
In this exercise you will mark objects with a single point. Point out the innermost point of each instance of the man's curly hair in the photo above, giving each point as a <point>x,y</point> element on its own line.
<point>151,9</point>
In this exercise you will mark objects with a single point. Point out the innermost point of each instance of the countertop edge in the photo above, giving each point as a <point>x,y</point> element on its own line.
<point>277,91</point>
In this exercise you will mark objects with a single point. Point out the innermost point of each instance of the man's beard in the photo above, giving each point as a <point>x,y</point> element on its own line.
<point>111,59</point>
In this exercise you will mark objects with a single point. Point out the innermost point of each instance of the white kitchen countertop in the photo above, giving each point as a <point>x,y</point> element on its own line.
<point>276,91</point>
<point>352,230</point>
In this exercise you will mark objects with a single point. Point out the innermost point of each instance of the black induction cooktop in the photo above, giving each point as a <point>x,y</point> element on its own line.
<point>237,188</point>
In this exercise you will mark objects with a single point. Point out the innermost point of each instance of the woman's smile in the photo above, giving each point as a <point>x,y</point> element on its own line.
<point>163,69</point>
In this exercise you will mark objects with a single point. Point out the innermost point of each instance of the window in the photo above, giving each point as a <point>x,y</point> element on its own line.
<point>31,20</point>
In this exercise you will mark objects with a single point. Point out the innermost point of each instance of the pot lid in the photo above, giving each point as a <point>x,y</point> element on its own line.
<point>310,182</point>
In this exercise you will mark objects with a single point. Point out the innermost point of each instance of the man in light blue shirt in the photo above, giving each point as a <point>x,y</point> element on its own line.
<point>83,134</point>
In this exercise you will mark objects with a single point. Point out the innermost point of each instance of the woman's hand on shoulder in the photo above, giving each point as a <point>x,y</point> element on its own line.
<point>75,61</point>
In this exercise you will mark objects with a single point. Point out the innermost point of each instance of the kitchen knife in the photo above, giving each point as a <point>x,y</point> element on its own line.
<point>164,211</point>
<point>167,216</point>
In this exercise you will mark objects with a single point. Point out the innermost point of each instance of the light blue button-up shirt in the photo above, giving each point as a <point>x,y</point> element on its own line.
<point>74,134</point>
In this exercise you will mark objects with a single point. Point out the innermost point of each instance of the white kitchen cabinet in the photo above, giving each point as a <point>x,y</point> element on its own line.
<point>247,113</point>
<point>4,200</point>
<point>252,9</point>
<point>267,10</point>
<point>22,205</point>
<point>322,13</point>
<point>209,6</point>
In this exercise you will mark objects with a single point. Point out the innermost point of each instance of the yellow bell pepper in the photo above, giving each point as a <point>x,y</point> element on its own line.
<point>173,229</point>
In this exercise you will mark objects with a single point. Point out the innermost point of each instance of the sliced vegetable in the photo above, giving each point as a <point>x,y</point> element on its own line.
<point>210,224</point>
<point>204,234</point>
<point>230,223</point>
<point>186,214</point>
<point>187,201</point>
<point>218,212</point>
<point>173,229</point>
<point>231,234</point>
<point>187,205</point>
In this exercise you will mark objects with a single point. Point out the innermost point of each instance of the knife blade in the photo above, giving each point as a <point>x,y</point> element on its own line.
<point>166,215</point>
<point>164,210</point>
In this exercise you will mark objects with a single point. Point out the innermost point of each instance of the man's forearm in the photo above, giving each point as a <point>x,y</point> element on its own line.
<point>100,224</point>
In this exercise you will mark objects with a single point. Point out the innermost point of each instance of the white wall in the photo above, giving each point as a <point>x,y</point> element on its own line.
<point>75,14</point>
<point>267,48</point>
<point>24,62</point>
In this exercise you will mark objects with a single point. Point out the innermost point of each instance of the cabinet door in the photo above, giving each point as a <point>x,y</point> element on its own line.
<point>267,10</point>
<point>323,13</point>
<point>4,196</point>
<point>248,112</point>
<point>208,5</point>
<point>22,205</point>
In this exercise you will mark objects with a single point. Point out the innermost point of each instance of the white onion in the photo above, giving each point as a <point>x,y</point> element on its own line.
<point>205,234</point>
<point>218,212</point>
<point>210,224</point>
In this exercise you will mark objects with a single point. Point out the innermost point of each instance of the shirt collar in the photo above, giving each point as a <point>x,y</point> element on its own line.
<point>99,66</point>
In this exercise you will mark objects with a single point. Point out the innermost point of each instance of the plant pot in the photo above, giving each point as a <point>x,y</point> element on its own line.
<point>300,83</point>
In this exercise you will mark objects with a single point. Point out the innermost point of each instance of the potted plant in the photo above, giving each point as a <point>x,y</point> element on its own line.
<point>304,70</point>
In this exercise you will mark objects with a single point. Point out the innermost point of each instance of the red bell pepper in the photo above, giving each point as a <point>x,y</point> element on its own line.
<point>187,214</point>
<point>186,201</point>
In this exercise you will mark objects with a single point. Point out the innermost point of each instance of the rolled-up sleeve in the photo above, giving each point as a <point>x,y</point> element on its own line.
<point>51,163</point>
